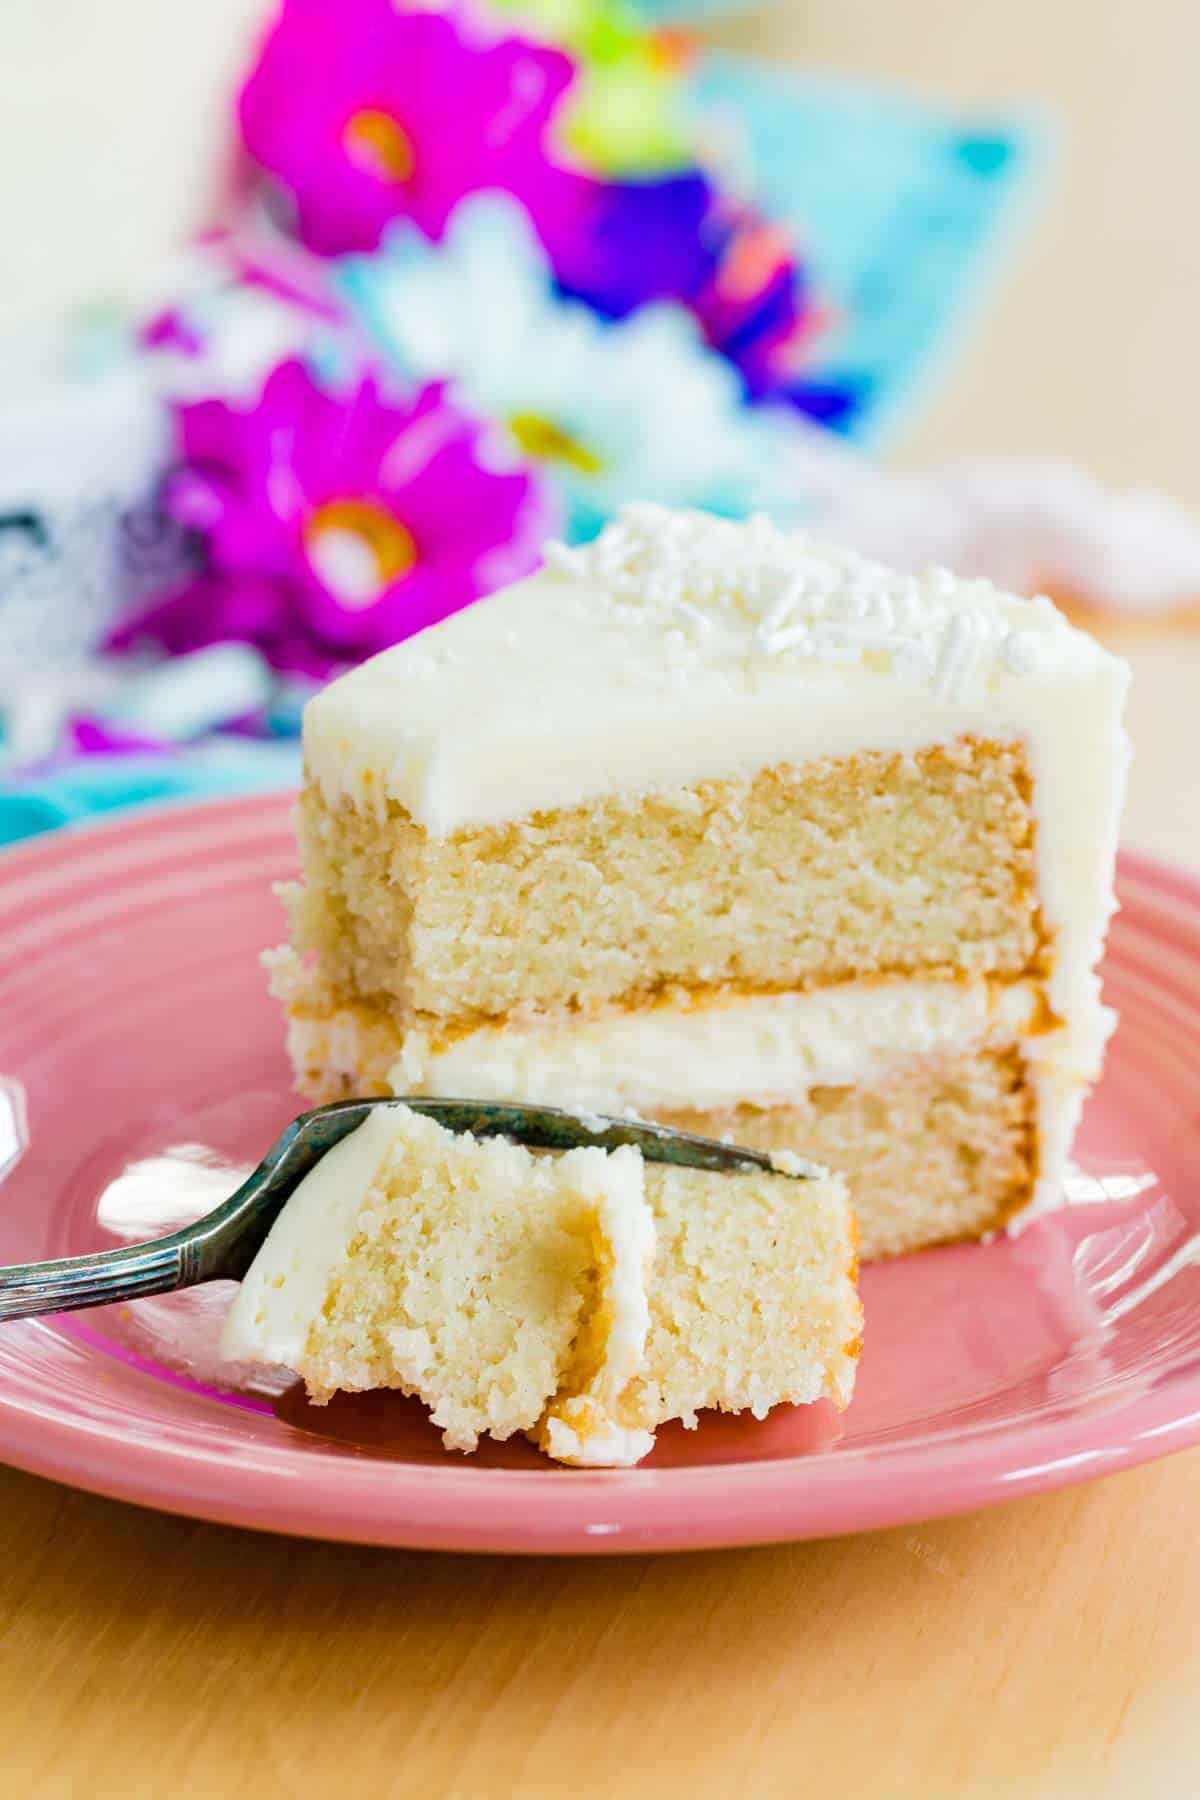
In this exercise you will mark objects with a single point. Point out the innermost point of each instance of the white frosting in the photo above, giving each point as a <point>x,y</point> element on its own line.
<point>680,646</point>
<point>584,1429</point>
<point>757,1049</point>
<point>286,1284</point>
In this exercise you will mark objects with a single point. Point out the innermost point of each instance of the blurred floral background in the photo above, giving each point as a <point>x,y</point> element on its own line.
<point>474,275</point>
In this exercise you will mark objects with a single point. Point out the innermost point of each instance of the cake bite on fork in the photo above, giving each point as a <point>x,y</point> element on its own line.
<point>584,1297</point>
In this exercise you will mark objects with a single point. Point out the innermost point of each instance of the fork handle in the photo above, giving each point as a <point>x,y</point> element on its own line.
<point>129,1273</point>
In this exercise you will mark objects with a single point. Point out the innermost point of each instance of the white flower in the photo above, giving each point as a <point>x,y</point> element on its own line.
<point>637,409</point>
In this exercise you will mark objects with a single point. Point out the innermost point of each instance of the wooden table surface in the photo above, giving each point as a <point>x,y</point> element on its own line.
<point>1045,1648</point>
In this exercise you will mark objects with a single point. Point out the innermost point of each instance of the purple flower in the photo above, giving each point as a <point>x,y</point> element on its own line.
<point>620,245</point>
<point>336,524</point>
<point>366,113</point>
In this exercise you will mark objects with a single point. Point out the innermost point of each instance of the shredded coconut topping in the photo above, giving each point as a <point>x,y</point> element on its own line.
<point>804,598</point>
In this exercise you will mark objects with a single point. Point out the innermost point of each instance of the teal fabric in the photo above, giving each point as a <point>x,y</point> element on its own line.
<point>104,784</point>
<point>910,208</point>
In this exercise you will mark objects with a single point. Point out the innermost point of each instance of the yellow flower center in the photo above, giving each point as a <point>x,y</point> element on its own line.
<point>543,439</point>
<point>380,144</point>
<point>358,549</point>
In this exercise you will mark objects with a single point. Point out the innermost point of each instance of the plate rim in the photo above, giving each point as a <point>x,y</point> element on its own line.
<point>715,1505</point>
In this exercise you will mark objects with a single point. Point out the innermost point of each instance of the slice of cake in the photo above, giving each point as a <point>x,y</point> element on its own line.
<point>584,1298</point>
<point>739,832</point>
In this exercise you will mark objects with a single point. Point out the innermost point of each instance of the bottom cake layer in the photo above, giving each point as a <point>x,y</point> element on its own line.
<point>932,1155</point>
<point>940,1139</point>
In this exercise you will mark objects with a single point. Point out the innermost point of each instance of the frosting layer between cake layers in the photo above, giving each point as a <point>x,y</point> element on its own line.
<point>758,1049</point>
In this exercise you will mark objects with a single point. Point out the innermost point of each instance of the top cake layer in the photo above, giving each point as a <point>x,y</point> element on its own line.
<point>678,647</point>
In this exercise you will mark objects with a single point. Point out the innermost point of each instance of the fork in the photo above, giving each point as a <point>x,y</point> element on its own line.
<point>222,1245</point>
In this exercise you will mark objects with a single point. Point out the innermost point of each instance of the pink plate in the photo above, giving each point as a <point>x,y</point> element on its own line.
<point>134,1023</point>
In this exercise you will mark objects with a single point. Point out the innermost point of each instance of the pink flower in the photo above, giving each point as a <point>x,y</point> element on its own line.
<point>336,524</point>
<point>366,113</point>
